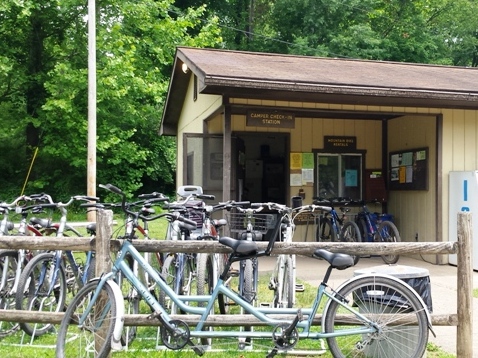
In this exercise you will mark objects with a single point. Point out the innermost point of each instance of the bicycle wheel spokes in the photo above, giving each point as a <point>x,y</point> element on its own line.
<point>40,288</point>
<point>399,318</point>
<point>93,337</point>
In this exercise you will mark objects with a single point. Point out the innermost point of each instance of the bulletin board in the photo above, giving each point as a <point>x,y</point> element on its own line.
<point>408,169</point>
<point>301,169</point>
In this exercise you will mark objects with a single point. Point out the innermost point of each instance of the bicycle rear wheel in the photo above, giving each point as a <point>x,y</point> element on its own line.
<point>79,341</point>
<point>41,287</point>
<point>8,269</point>
<point>389,233</point>
<point>398,313</point>
<point>351,233</point>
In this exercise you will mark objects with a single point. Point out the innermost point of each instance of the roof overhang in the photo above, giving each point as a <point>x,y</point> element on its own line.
<point>419,86</point>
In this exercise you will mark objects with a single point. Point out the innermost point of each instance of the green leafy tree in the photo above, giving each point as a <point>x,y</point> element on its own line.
<point>44,90</point>
<point>421,31</point>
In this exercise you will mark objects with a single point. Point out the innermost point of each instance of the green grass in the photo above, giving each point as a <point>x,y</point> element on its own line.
<point>18,345</point>
<point>145,343</point>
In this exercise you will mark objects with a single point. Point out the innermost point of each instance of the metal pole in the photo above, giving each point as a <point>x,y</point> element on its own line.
<point>91,161</point>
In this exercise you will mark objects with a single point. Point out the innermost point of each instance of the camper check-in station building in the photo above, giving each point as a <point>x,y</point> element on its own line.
<point>268,127</point>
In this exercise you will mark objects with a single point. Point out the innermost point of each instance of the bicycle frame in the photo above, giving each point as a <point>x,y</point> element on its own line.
<point>283,330</point>
<point>121,264</point>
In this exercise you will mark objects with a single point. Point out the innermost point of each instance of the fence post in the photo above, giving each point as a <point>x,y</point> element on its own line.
<point>104,222</point>
<point>464,336</point>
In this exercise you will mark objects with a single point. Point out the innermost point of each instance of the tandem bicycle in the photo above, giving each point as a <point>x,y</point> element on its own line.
<point>370,315</point>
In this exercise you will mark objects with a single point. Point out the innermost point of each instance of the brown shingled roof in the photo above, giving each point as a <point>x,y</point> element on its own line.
<point>317,79</point>
<point>313,71</point>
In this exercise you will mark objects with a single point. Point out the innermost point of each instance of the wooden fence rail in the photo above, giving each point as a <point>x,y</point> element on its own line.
<point>462,319</point>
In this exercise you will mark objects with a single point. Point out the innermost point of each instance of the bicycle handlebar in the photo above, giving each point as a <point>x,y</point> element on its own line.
<point>312,208</point>
<point>127,210</point>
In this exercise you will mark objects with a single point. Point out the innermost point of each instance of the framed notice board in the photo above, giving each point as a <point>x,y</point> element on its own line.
<point>408,169</point>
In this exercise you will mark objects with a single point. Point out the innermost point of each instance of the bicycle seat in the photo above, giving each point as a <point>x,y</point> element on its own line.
<point>91,228</point>
<point>336,260</point>
<point>239,246</point>
<point>41,222</point>
<point>219,222</point>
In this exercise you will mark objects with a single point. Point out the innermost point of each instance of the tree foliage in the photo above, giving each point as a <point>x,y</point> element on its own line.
<point>44,91</point>
<point>44,60</point>
<point>420,31</point>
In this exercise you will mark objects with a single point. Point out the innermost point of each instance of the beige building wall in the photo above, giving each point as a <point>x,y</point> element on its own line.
<point>414,211</point>
<point>460,152</point>
<point>191,120</point>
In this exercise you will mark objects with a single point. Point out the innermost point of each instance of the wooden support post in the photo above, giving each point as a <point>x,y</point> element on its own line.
<point>464,334</point>
<point>104,222</point>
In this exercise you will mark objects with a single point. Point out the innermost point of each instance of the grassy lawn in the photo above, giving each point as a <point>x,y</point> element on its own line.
<point>146,344</point>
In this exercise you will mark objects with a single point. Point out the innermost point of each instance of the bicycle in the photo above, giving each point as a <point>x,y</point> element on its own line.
<point>136,230</point>
<point>250,226</point>
<point>374,228</point>
<point>49,276</point>
<point>334,228</point>
<point>283,278</point>
<point>180,270</point>
<point>367,314</point>
<point>209,266</point>
<point>13,262</point>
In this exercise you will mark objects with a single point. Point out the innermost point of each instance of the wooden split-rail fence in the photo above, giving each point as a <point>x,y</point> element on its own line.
<point>103,246</point>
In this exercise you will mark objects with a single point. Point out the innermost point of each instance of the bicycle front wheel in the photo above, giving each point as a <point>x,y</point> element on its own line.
<point>169,274</point>
<point>325,231</point>
<point>131,301</point>
<point>222,300</point>
<point>204,276</point>
<point>389,233</point>
<point>398,314</point>
<point>351,233</point>
<point>246,289</point>
<point>284,294</point>
<point>76,340</point>
<point>42,287</point>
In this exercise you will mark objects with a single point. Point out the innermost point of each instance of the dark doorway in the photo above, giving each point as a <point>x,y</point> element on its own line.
<point>262,167</point>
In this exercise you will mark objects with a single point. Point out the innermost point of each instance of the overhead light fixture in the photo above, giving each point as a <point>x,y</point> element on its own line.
<point>185,68</point>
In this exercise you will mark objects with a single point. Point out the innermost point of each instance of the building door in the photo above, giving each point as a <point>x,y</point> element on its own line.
<point>262,162</point>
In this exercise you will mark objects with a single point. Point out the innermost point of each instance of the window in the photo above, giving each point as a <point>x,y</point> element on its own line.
<point>339,175</point>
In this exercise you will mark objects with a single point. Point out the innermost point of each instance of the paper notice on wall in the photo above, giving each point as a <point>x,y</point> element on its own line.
<point>307,176</point>
<point>295,161</point>
<point>296,179</point>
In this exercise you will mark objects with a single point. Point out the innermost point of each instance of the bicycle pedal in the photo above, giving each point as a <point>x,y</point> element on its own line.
<point>265,305</point>
<point>299,288</point>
